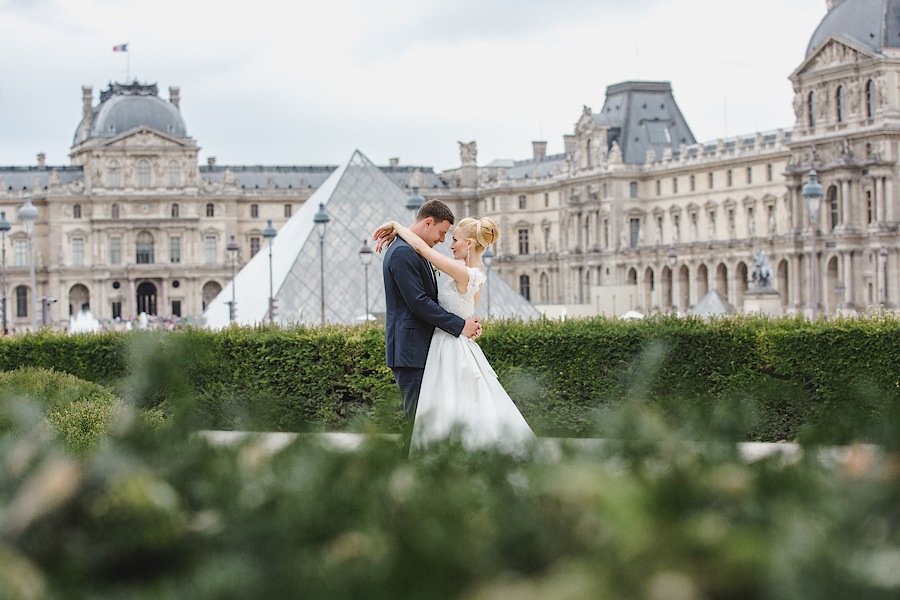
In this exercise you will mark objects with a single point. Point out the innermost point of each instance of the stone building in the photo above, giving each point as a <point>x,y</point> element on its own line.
<point>634,214</point>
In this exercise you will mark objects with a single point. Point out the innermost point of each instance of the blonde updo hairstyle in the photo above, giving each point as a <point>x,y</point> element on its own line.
<point>484,231</point>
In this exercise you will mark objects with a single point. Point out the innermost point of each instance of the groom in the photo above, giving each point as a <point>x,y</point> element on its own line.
<point>412,311</point>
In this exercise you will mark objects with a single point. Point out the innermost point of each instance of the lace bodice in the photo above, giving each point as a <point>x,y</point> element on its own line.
<point>449,297</point>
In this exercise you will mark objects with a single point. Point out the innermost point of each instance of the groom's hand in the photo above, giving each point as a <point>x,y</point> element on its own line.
<point>472,328</point>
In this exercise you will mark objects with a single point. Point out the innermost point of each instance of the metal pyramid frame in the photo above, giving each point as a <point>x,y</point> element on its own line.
<point>357,197</point>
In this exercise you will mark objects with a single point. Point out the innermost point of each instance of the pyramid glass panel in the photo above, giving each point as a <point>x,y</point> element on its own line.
<point>357,197</point>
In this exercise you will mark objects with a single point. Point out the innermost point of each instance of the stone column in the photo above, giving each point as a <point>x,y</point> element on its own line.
<point>849,283</point>
<point>132,299</point>
<point>163,309</point>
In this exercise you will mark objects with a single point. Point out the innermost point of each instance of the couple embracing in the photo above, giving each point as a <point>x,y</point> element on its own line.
<point>448,387</point>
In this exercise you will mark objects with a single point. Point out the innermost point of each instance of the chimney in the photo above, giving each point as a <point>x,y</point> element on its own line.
<point>86,99</point>
<point>569,141</point>
<point>394,162</point>
<point>174,96</point>
<point>211,161</point>
<point>540,150</point>
<point>42,160</point>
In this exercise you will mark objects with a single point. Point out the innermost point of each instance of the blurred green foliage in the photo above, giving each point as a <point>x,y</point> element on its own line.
<point>831,381</point>
<point>663,507</point>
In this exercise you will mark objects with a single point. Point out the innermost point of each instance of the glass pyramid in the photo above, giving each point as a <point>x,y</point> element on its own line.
<point>357,197</point>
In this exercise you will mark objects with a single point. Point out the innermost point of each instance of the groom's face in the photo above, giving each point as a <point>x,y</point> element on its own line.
<point>434,232</point>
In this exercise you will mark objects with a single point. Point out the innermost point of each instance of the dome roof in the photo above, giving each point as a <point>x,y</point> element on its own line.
<point>872,24</point>
<point>126,107</point>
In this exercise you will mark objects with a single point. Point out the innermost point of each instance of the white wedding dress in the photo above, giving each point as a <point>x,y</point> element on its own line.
<point>461,395</point>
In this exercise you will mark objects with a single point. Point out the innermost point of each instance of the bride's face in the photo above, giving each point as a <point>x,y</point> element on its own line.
<point>459,246</point>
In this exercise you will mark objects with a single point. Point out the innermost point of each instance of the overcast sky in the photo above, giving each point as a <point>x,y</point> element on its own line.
<point>290,83</point>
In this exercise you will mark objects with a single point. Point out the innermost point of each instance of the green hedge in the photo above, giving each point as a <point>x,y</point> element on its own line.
<point>80,413</point>
<point>779,378</point>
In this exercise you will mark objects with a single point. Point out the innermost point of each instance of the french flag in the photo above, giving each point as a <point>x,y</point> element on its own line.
<point>120,48</point>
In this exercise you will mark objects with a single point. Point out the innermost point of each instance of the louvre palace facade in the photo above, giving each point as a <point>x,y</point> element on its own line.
<point>634,214</point>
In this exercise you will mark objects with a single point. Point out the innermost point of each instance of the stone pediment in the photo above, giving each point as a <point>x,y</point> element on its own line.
<point>833,52</point>
<point>150,139</point>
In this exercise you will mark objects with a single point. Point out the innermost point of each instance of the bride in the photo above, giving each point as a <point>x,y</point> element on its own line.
<point>461,395</point>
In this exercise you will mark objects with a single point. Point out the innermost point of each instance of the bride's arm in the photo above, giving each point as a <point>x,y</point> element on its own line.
<point>446,264</point>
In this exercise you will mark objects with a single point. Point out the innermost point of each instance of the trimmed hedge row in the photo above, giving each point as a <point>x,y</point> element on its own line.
<point>780,378</point>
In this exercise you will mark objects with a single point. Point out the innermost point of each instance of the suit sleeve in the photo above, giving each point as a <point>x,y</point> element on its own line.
<point>406,269</point>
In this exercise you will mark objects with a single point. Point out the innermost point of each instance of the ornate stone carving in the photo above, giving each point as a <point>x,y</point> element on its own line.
<point>468,153</point>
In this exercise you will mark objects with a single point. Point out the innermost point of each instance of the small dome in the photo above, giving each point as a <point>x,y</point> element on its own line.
<point>872,24</point>
<point>123,108</point>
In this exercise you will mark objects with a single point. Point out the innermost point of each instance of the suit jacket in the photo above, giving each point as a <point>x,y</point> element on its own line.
<point>412,311</point>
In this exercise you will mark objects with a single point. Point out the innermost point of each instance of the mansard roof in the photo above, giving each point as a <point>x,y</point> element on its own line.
<point>873,24</point>
<point>300,177</point>
<point>642,116</point>
<point>31,178</point>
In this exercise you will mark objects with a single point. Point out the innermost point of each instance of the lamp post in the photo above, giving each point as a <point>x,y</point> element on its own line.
<point>365,257</point>
<point>415,202</point>
<point>4,227</point>
<point>883,253</point>
<point>269,233</point>
<point>232,248</point>
<point>28,214</point>
<point>321,220</point>
<point>488,259</point>
<point>672,260</point>
<point>812,192</point>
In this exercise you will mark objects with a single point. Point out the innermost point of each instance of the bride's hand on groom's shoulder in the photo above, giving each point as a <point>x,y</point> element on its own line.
<point>384,235</point>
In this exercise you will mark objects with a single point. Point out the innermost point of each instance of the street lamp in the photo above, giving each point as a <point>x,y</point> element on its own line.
<point>365,257</point>
<point>671,260</point>
<point>415,202</point>
<point>28,214</point>
<point>812,192</point>
<point>883,253</point>
<point>232,248</point>
<point>321,220</point>
<point>4,227</point>
<point>269,233</point>
<point>488,259</point>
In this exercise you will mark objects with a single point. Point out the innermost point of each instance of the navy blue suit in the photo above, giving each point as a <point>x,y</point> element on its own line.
<point>412,313</point>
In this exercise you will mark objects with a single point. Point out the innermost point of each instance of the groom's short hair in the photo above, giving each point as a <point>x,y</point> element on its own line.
<point>437,210</point>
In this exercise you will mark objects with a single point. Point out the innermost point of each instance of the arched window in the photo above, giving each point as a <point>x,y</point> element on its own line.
<point>525,287</point>
<point>811,109</point>
<point>544,289</point>
<point>632,277</point>
<point>114,211</point>
<point>143,248</point>
<point>210,210</point>
<point>76,211</point>
<point>174,174</point>
<point>176,211</point>
<point>21,301</point>
<point>870,99</point>
<point>839,103</point>
<point>143,173</point>
<point>113,174</point>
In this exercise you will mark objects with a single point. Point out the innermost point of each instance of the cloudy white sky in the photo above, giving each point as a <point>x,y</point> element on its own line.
<point>287,83</point>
